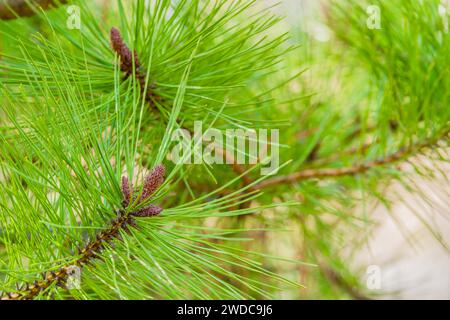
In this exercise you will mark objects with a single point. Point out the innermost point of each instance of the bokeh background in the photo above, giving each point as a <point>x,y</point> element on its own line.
<point>409,241</point>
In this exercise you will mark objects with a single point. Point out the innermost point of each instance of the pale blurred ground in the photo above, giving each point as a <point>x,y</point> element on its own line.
<point>413,263</point>
<point>410,240</point>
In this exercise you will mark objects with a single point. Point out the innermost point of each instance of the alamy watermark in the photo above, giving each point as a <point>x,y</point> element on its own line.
<point>229,146</point>
<point>73,277</point>
<point>74,19</point>
<point>373,281</point>
<point>374,19</point>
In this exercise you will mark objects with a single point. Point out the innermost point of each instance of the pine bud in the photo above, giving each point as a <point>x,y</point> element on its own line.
<point>149,211</point>
<point>126,191</point>
<point>153,181</point>
<point>126,57</point>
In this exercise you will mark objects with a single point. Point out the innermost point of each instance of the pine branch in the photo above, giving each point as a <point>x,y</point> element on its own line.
<point>11,9</point>
<point>324,173</point>
<point>88,253</point>
<point>131,66</point>
<point>349,171</point>
<point>91,251</point>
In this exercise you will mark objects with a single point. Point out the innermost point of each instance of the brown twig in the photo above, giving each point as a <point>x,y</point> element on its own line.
<point>11,9</point>
<point>92,249</point>
<point>346,171</point>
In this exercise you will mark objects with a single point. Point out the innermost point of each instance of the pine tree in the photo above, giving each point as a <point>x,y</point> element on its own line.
<point>87,119</point>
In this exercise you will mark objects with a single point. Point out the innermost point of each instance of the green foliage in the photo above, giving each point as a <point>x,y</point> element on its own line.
<point>71,126</point>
